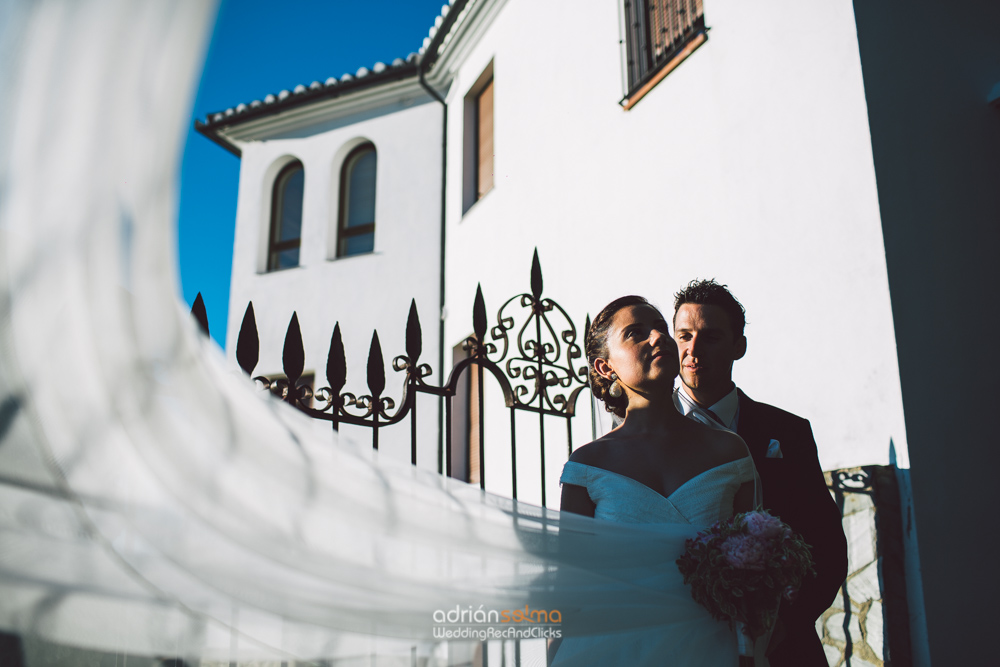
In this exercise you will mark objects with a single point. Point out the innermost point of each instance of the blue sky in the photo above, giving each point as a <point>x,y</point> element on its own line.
<point>260,47</point>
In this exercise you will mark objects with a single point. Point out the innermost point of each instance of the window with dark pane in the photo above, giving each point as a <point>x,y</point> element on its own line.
<point>478,146</point>
<point>357,203</point>
<point>659,34</point>
<point>286,218</point>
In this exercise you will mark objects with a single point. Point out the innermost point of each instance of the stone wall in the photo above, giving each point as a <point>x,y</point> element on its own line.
<point>868,625</point>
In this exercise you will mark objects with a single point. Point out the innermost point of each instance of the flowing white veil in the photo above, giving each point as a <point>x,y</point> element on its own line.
<point>151,500</point>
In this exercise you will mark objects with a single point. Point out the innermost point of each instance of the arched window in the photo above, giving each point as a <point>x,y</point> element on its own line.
<point>356,232</point>
<point>286,218</point>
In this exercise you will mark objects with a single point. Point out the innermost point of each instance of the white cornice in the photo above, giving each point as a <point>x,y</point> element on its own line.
<point>464,37</point>
<point>325,111</point>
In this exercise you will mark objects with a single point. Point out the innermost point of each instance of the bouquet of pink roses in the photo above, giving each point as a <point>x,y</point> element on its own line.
<point>742,567</point>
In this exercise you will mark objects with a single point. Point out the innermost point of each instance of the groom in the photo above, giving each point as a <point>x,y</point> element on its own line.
<point>708,328</point>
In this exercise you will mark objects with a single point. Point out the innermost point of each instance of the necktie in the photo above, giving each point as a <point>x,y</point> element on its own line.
<point>698,413</point>
<point>717,418</point>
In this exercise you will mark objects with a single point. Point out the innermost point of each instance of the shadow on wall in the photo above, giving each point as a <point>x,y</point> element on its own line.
<point>936,147</point>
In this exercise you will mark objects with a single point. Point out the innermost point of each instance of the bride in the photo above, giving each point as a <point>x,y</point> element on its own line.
<point>657,467</point>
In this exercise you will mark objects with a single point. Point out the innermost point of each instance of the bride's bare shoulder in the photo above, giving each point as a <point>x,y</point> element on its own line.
<point>594,453</point>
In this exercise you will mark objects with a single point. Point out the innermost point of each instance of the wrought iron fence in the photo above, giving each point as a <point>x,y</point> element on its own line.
<point>532,352</point>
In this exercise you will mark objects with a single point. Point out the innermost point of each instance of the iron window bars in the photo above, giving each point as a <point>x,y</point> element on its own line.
<point>659,34</point>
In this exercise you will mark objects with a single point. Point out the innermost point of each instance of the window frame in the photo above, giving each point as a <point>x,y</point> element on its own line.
<point>345,233</point>
<point>472,140</point>
<point>274,246</point>
<point>642,68</point>
<point>479,142</point>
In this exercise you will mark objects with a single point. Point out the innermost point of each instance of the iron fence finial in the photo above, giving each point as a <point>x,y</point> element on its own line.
<point>336,363</point>
<point>248,342</point>
<point>293,355</point>
<point>536,277</point>
<point>198,311</point>
<point>414,339</point>
<point>479,316</point>
<point>376,368</point>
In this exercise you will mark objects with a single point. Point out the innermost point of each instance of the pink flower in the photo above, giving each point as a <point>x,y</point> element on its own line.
<point>744,552</point>
<point>764,525</point>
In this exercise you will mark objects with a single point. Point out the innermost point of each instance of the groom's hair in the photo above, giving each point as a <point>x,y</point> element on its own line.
<point>710,293</point>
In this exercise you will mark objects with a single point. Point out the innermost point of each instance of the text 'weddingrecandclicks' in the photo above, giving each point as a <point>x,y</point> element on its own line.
<point>481,624</point>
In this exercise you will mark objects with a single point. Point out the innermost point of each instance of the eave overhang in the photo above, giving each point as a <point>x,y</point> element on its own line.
<point>319,102</point>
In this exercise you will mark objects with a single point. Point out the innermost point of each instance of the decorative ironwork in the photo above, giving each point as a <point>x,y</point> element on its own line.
<point>541,359</point>
<point>852,481</point>
<point>532,352</point>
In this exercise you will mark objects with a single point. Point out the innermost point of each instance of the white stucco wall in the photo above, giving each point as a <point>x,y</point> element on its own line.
<point>750,163</point>
<point>365,292</point>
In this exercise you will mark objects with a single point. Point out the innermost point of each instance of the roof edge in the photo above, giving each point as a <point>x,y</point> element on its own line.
<point>431,51</point>
<point>231,116</point>
<point>213,135</point>
<point>217,122</point>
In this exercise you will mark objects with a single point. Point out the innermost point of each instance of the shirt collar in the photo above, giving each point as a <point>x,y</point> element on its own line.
<point>726,408</point>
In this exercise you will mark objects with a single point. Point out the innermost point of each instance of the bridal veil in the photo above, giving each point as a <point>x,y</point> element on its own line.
<point>151,500</point>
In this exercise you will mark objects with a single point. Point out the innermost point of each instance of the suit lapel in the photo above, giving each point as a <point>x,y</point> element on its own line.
<point>751,429</point>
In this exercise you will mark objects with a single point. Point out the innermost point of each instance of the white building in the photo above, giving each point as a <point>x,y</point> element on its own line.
<point>743,152</point>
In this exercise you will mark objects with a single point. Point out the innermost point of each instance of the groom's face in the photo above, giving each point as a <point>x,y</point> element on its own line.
<point>707,347</point>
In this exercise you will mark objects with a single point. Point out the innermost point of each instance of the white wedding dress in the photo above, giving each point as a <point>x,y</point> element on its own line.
<point>700,501</point>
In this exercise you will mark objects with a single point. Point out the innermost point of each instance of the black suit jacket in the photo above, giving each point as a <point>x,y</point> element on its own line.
<point>795,490</point>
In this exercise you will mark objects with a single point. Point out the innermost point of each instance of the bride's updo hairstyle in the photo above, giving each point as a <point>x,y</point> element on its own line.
<point>597,347</point>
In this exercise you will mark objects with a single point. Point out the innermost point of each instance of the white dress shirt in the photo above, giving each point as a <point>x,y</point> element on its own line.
<point>726,410</point>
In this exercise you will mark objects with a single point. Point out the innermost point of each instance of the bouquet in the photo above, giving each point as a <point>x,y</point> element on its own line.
<point>742,567</point>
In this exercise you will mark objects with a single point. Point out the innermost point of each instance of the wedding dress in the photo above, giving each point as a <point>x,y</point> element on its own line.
<point>699,502</point>
<point>151,500</point>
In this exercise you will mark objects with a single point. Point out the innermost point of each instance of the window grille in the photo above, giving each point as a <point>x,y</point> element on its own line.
<point>659,34</point>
